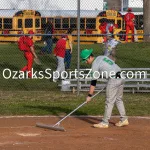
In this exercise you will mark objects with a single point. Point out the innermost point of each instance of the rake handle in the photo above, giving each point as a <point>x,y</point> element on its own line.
<point>70,114</point>
<point>76,109</point>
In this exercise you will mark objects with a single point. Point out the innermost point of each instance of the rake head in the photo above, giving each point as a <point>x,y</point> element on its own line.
<point>51,127</point>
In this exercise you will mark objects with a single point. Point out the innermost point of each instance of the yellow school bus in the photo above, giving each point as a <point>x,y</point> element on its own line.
<point>90,23</point>
<point>14,22</point>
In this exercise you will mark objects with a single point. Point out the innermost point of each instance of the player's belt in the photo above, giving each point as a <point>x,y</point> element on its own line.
<point>117,75</point>
<point>26,51</point>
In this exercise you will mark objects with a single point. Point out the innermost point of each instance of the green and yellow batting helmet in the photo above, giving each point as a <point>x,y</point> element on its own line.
<point>84,55</point>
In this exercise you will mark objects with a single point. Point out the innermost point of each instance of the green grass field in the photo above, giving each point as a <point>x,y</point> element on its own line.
<point>43,97</point>
<point>58,103</point>
<point>128,56</point>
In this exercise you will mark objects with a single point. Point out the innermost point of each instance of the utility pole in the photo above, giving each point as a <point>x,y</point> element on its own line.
<point>122,5</point>
<point>146,12</point>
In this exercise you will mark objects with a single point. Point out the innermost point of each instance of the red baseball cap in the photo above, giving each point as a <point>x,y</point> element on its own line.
<point>30,32</point>
<point>129,9</point>
<point>65,36</point>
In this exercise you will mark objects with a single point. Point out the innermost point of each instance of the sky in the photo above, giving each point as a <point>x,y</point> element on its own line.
<point>51,4</point>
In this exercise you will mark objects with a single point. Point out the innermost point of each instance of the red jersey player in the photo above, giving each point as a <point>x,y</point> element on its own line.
<point>129,19</point>
<point>29,53</point>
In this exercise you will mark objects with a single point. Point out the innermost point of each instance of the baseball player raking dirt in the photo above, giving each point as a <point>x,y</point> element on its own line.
<point>114,89</point>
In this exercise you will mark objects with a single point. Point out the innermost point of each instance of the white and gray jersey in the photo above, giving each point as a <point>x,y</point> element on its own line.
<point>109,45</point>
<point>108,26</point>
<point>104,67</point>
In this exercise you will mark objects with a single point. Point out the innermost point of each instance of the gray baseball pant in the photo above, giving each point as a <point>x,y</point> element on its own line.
<point>60,68</point>
<point>114,94</point>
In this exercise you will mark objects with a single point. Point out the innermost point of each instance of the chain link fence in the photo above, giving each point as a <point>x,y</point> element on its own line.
<point>83,24</point>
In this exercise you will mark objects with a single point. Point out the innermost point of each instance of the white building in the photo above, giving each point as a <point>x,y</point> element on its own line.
<point>51,4</point>
<point>136,5</point>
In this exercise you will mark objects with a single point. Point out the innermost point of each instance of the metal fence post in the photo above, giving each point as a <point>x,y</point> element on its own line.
<point>78,33</point>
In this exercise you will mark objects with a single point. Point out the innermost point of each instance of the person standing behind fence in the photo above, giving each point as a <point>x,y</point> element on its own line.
<point>68,53</point>
<point>107,27</point>
<point>104,66</point>
<point>129,19</point>
<point>102,27</point>
<point>59,52</point>
<point>48,39</point>
<point>29,53</point>
<point>110,27</point>
<point>110,47</point>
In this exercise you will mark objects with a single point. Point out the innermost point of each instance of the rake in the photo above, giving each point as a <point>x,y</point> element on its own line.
<point>56,126</point>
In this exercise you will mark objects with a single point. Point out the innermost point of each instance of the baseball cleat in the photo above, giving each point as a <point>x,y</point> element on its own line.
<point>100,125</point>
<point>122,123</point>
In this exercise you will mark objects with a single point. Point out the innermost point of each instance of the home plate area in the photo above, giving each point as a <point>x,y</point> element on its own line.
<point>21,133</point>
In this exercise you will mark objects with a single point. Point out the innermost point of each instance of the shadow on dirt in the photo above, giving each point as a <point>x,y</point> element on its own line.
<point>60,111</point>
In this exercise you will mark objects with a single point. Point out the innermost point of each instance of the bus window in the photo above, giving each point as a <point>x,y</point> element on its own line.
<point>43,23</point>
<point>37,23</point>
<point>119,24</point>
<point>123,23</point>
<point>111,21</point>
<point>140,21</point>
<point>19,23</point>
<point>65,23</point>
<point>0,23</point>
<point>7,23</point>
<point>82,23</point>
<point>136,21</point>
<point>28,23</point>
<point>57,23</point>
<point>51,19</point>
<point>90,23</point>
<point>73,23</point>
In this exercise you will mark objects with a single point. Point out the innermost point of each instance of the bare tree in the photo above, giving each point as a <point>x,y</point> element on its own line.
<point>146,15</point>
<point>113,4</point>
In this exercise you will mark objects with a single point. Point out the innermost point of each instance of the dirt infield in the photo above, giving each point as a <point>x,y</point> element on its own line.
<point>20,133</point>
